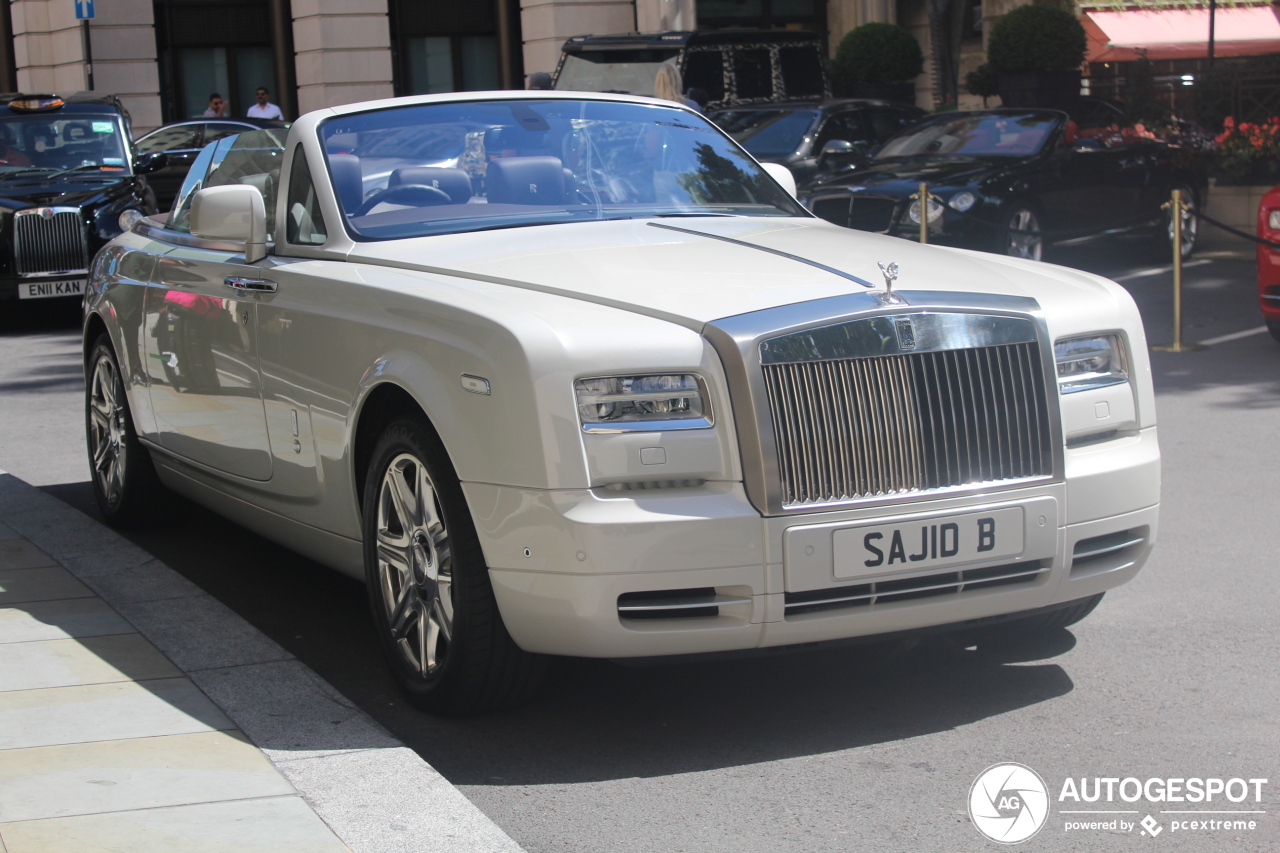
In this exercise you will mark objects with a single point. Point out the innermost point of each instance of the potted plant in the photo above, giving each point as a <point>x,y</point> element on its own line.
<point>1036,52</point>
<point>877,61</point>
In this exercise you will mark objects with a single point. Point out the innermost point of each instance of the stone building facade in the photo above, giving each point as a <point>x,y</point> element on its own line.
<point>165,57</point>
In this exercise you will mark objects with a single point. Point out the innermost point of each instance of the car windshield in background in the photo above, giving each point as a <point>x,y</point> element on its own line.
<point>980,135</point>
<point>444,168</point>
<point>53,143</point>
<point>767,133</point>
<point>627,72</point>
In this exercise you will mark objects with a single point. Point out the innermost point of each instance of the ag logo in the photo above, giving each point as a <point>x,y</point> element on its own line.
<point>1008,803</point>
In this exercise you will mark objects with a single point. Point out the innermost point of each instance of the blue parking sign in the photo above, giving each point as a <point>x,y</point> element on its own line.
<point>84,10</point>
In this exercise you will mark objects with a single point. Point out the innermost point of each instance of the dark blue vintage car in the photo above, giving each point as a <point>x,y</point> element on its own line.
<point>1012,181</point>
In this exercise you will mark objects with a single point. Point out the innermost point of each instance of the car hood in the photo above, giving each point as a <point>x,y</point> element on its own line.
<point>68,191</point>
<point>692,280</point>
<point>936,171</point>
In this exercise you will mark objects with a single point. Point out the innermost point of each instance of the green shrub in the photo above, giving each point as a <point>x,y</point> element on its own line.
<point>876,53</point>
<point>1036,38</point>
<point>982,81</point>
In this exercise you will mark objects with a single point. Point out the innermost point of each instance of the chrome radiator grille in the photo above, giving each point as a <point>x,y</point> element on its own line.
<point>861,427</point>
<point>49,244</point>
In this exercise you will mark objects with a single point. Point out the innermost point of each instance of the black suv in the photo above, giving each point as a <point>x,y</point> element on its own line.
<point>727,67</point>
<point>67,171</point>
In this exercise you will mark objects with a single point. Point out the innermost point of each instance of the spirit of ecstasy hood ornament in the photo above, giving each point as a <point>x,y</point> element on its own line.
<point>890,273</point>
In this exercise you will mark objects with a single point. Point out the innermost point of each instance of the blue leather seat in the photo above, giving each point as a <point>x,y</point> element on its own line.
<point>525,180</point>
<point>348,180</point>
<point>454,183</point>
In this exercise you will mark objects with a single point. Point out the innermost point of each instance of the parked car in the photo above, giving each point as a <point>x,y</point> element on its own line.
<point>67,173</point>
<point>624,399</point>
<point>1012,181</point>
<point>1269,261</point>
<point>182,141</point>
<point>809,137</point>
<point>726,66</point>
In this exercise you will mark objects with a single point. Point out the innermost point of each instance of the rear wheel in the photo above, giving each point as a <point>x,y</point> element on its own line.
<point>1273,326</point>
<point>433,606</point>
<point>125,484</point>
<point>1021,233</point>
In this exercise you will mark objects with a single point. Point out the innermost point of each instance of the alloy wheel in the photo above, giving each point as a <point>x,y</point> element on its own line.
<point>107,436</point>
<point>415,566</point>
<point>1023,239</point>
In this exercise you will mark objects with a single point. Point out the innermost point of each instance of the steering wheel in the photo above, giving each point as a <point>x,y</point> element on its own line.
<point>414,195</point>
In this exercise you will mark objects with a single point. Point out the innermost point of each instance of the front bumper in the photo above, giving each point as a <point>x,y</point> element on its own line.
<point>561,561</point>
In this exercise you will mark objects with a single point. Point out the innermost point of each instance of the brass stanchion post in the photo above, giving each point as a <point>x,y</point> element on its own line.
<point>923,195</point>
<point>1175,206</point>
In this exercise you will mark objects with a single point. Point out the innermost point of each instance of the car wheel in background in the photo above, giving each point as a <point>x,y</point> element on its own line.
<point>125,484</point>
<point>433,606</point>
<point>1273,326</point>
<point>1021,232</point>
<point>1190,224</point>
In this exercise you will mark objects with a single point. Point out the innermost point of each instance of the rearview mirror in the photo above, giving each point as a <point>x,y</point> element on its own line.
<point>234,213</point>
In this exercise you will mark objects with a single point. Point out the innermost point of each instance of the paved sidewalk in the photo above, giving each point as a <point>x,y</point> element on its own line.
<point>139,714</point>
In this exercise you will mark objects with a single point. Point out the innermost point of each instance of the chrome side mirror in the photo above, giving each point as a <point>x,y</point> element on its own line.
<point>837,146</point>
<point>145,164</point>
<point>234,213</point>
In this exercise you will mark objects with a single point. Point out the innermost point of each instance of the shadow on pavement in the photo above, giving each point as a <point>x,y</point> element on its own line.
<point>596,720</point>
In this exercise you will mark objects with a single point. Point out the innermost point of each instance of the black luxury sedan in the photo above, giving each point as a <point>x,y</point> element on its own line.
<point>67,172</point>
<point>1012,181</point>
<point>809,137</point>
<point>181,141</point>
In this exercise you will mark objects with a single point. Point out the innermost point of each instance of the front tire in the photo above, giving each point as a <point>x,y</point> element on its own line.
<point>1021,233</point>
<point>432,603</point>
<point>125,484</point>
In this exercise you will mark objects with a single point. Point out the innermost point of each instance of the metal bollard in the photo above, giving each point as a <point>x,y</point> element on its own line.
<point>923,195</point>
<point>1175,206</point>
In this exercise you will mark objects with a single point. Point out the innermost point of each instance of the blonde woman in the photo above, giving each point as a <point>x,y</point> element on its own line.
<point>668,86</point>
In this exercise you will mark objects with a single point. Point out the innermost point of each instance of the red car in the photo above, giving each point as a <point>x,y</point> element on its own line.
<point>1269,261</point>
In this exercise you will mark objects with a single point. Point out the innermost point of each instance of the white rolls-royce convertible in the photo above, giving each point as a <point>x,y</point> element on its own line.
<point>572,374</point>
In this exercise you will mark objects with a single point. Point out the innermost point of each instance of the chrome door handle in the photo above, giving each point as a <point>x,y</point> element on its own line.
<point>250,285</point>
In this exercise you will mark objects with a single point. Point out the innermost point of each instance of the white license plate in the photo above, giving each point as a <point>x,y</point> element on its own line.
<point>48,289</point>
<point>929,542</point>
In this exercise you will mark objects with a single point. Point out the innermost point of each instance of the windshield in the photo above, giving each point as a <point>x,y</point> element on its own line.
<point>445,168</point>
<point>974,135</point>
<point>767,133</point>
<point>627,72</point>
<point>53,142</point>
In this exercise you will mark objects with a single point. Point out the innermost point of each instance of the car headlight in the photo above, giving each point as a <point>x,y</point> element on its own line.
<point>642,403</point>
<point>962,201</point>
<point>1273,220</point>
<point>1089,362</point>
<point>935,210</point>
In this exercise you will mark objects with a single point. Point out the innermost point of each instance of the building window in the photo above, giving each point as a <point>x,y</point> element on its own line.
<point>809,15</point>
<point>207,47</point>
<point>446,46</point>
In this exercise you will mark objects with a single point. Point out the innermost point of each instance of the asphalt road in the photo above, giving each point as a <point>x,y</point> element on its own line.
<point>1173,676</point>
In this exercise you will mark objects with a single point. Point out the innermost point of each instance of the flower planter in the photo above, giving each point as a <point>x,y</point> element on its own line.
<point>1235,205</point>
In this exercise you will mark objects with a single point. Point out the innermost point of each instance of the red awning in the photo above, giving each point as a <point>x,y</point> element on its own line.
<point>1181,33</point>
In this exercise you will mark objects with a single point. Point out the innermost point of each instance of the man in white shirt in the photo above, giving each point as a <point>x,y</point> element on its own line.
<point>264,108</point>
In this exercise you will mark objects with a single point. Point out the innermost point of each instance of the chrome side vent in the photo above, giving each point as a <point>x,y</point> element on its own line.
<point>653,485</point>
<point>49,240</point>
<point>675,603</point>
<point>1107,553</point>
<point>905,589</point>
